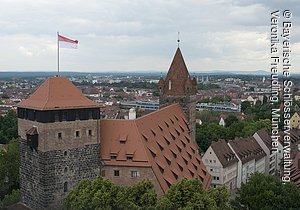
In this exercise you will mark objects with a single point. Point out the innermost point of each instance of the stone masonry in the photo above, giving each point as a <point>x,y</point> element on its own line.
<point>50,172</point>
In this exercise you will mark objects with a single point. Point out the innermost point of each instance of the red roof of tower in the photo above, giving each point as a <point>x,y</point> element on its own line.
<point>57,93</point>
<point>179,76</point>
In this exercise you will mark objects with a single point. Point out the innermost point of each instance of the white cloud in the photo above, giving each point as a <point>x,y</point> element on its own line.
<point>138,34</point>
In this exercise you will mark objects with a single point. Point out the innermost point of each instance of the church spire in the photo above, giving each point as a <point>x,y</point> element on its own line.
<point>177,77</point>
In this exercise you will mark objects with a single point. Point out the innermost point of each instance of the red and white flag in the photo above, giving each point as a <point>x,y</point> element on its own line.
<point>65,42</point>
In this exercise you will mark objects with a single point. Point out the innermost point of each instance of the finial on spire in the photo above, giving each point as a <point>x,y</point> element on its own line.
<point>178,40</point>
<point>161,74</point>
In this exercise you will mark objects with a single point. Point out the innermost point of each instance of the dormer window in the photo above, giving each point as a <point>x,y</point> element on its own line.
<point>113,157</point>
<point>122,139</point>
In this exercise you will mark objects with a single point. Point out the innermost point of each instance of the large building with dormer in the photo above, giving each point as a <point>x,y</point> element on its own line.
<point>63,141</point>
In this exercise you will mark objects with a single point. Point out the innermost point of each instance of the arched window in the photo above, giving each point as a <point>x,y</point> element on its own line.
<point>66,187</point>
<point>170,84</point>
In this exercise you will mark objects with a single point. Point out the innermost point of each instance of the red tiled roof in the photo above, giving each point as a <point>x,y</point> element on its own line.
<point>155,141</point>
<point>178,74</point>
<point>57,93</point>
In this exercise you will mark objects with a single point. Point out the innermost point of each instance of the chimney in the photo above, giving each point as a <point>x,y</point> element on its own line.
<point>132,114</point>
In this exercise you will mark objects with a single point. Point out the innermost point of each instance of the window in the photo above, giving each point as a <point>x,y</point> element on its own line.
<point>90,133</point>
<point>175,175</point>
<point>116,173</point>
<point>77,134</point>
<point>122,142</point>
<point>178,133</point>
<point>174,155</point>
<point>170,84</point>
<point>59,135</point>
<point>90,115</point>
<point>180,167</point>
<point>154,134</point>
<point>186,162</point>
<point>56,117</point>
<point>129,158</point>
<point>160,147</point>
<point>161,169</point>
<point>65,153</point>
<point>113,157</point>
<point>135,174</point>
<point>161,129</point>
<point>103,173</point>
<point>66,187</point>
<point>77,115</point>
<point>66,170</point>
<point>168,161</point>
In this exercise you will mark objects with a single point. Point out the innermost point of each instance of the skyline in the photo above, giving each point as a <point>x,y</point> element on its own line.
<point>141,36</point>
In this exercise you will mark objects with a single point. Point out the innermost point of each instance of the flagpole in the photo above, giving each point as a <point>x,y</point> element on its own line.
<point>57,55</point>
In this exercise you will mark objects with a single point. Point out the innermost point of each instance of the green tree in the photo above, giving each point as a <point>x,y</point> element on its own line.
<point>230,120</point>
<point>266,192</point>
<point>208,116</point>
<point>9,168</point>
<point>221,196</point>
<point>10,199</point>
<point>207,133</point>
<point>142,194</point>
<point>245,106</point>
<point>8,127</point>
<point>103,194</point>
<point>99,193</point>
<point>189,194</point>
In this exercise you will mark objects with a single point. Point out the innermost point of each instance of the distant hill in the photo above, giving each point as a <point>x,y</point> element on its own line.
<point>24,74</point>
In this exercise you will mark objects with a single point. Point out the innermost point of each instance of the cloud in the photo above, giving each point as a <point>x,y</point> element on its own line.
<point>139,35</point>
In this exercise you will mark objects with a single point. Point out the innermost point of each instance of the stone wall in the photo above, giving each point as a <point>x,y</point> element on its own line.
<point>43,175</point>
<point>125,178</point>
<point>48,133</point>
<point>58,162</point>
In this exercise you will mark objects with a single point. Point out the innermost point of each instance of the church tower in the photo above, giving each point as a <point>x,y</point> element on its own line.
<point>59,142</point>
<point>179,87</point>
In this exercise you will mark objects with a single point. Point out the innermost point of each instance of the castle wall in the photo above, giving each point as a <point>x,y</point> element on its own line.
<point>125,177</point>
<point>43,175</point>
<point>50,172</point>
<point>48,133</point>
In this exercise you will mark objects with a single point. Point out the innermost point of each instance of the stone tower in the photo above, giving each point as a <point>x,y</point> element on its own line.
<point>59,142</point>
<point>179,87</point>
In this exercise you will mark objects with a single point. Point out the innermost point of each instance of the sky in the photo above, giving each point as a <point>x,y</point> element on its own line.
<point>141,35</point>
